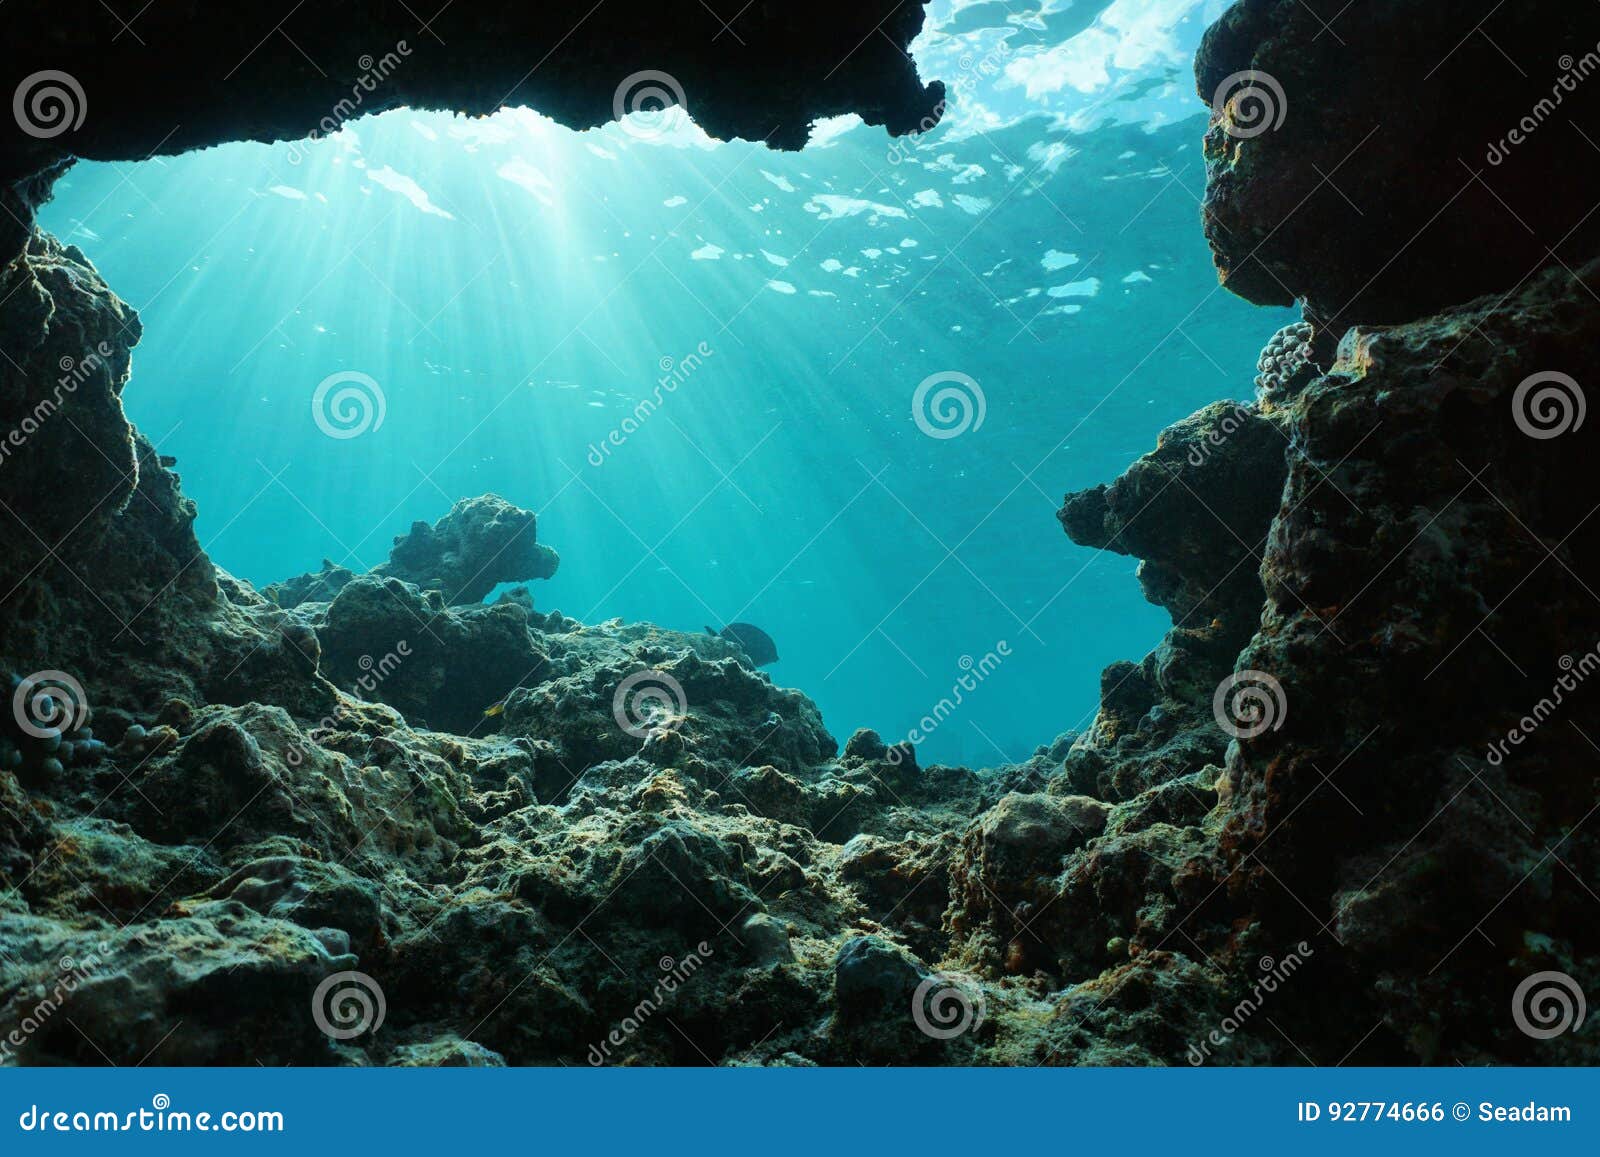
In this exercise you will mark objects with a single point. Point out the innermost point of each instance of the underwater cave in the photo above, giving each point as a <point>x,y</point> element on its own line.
<point>1047,538</point>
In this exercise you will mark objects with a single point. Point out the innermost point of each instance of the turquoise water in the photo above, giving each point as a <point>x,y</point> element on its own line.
<point>514,289</point>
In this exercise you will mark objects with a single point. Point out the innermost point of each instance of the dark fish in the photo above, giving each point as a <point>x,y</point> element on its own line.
<point>753,640</point>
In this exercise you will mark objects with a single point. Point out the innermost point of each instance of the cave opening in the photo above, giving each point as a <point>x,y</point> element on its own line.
<point>836,393</point>
<point>427,719</point>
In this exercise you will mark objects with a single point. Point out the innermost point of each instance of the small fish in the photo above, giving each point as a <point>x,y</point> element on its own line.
<point>752,640</point>
<point>497,709</point>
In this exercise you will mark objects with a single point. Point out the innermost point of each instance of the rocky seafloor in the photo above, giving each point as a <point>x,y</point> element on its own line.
<point>540,841</point>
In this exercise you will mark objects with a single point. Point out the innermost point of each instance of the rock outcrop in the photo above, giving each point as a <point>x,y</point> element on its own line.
<point>1393,158</point>
<point>489,886</point>
<point>1365,750</point>
<point>181,77</point>
<point>217,806</point>
<point>481,543</point>
<point>1341,814</point>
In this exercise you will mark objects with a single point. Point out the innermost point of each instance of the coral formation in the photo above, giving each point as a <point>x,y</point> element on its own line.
<point>481,543</point>
<point>1288,361</point>
<point>1342,779</point>
<point>1370,172</point>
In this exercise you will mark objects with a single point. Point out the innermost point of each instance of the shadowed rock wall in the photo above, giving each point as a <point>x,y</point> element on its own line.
<point>1342,813</point>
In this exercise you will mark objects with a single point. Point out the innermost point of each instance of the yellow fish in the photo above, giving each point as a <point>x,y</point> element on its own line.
<point>495,710</point>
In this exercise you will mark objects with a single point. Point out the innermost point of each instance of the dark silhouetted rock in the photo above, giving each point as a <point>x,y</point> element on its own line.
<point>481,543</point>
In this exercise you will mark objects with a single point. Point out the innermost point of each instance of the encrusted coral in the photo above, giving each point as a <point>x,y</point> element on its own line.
<point>481,543</point>
<point>1286,358</point>
<point>378,773</point>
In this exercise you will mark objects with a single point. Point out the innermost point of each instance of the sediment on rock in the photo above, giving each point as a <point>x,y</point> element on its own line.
<point>380,772</point>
